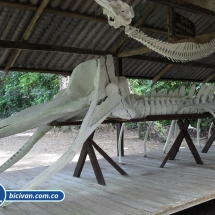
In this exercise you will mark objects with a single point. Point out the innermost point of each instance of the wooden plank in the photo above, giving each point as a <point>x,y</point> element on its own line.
<point>206,8</point>
<point>147,189</point>
<point>32,208</point>
<point>148,118</point>
<point>170,21</point>
<point>12,210</point>
<point>26,34</point>
<point>108,159</point>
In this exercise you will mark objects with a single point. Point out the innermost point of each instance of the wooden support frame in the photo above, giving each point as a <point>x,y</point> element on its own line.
<point>176,145</point>
<point>209,142</point>
<point>88,149</point>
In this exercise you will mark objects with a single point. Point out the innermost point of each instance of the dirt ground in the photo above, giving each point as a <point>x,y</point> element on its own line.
<point>55,143</point>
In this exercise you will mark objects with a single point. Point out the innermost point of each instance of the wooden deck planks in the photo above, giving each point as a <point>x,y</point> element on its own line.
<point>147,189</point>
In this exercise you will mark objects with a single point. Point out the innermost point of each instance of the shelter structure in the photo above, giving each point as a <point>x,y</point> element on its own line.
<point>53,36</point>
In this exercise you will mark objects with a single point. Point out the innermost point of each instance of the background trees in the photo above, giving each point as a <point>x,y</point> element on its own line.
<point>21,90</point>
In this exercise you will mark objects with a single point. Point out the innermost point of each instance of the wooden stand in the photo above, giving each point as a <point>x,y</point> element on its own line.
<point>88,149</point>
<point>210,141</point>
<point>176,145</point>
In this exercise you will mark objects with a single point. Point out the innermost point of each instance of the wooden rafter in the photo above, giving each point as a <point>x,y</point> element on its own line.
<point>171,32</point>
<point>206,7</point>
<point>209,78</point>
<point>75,15</point>
<point>73,50</point>
<point>162,73</point>
<point>133,52</point>
<point>50,48</point>
<point>26,34</point>
<point>203,38</point>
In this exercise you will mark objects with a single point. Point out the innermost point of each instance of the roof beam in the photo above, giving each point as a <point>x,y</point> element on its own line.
<point>206,7</point>
<point>162,73</point>
<point>54,11</point>
<point>203,38</point>
<point>50,48</point>
<point>26,34</point>
<point>75,15</point>
<point>73,50</point>
<point>133,52</point>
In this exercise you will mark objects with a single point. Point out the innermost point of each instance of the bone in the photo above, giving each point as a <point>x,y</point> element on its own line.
<point>120,14</point>
<point>38,134</point>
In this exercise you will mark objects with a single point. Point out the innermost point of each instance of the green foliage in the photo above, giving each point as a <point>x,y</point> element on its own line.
<point>143,87</point>
<point>21,90</point>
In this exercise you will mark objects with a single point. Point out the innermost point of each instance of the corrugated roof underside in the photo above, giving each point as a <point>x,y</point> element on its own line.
<point>65,31</point>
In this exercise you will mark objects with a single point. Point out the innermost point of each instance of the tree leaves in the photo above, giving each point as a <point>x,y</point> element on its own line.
<point>21,90</point>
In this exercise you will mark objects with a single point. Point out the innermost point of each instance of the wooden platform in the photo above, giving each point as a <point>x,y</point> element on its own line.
<point>147,189</point>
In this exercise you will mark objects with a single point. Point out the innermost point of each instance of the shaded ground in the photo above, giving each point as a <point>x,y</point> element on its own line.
<point>55,143</point>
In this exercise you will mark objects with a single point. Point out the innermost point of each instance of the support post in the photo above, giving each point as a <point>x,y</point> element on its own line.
<point>210,141</point>
<point>88,149</point>
<point>176,145</point>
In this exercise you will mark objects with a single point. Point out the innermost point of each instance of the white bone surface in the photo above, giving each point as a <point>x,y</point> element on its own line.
<point>120,14</point>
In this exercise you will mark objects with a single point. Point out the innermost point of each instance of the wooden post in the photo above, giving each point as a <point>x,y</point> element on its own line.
<point>170,18</point>
<point>176,145</point>
<point>88,148</point>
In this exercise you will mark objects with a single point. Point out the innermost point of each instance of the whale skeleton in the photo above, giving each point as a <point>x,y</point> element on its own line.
<point>94,94</point>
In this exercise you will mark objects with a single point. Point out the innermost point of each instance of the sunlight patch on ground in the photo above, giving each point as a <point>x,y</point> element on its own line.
<point>24,134</point>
